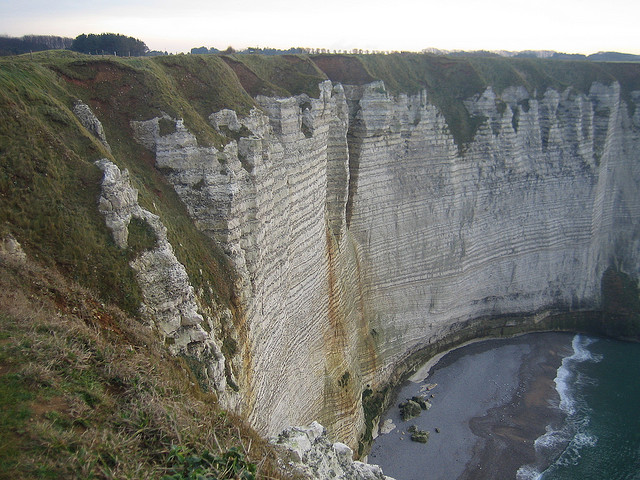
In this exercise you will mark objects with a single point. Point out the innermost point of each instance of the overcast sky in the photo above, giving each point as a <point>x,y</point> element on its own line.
<point>572,26</point>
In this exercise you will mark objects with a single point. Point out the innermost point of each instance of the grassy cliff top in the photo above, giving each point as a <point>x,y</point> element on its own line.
<point>277,75</point>
<point>49,185</point>
<point>465,76</point>
<point>450,80</point>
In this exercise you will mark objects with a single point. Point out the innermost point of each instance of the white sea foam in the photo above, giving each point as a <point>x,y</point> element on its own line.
<point>573,452</point>
<point>552,439</point>
<point>528,472</point>
<point>566,373</point>
<point>564,444</point>
<point>583,439</point>
<point>563,386</point>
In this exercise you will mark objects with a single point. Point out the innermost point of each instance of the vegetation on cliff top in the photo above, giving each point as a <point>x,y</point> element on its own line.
<point>49,188</point>
<point>111,43</point>
<point>282,75</point>
<point>32,43</point>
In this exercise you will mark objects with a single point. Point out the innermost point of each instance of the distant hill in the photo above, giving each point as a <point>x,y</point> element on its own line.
<point>547,54</point>
<point>595,57</point>
<point>613,57</point>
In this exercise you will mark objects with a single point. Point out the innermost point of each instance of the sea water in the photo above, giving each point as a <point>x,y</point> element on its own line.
<point>599,389</point>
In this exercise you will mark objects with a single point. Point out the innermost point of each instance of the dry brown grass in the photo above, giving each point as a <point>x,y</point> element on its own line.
<point>88,392</point>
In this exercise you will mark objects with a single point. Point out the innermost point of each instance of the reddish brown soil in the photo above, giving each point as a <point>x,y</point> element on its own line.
<point>252,84</point>
<point>342,69</point>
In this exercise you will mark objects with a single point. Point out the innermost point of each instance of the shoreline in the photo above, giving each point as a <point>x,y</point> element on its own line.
<point>491,403</point>
<point>509,431</point>
<point>422,373</point>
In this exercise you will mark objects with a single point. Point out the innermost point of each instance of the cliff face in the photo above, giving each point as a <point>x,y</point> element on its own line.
<point>362,232</point>
<point>527,218</point>
<point>275,199</point>
<point>305,248</point>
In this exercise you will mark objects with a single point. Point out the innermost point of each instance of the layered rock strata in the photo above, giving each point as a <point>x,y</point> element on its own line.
<point>361,232</point>
<point>527,218</point>
<point>265,198</point>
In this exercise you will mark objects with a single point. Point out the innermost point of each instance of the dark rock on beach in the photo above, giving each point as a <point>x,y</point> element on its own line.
<point>409,410</point>
<point>417,435</point>
<point>412,407</point>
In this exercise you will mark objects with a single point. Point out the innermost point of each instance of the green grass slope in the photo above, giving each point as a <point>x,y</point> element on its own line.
<point>277,75</point>
<point>49,185</point>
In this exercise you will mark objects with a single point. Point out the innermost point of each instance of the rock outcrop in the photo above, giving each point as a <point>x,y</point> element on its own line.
<point>310,454</point>
<point>11,250</point>
<point>361,232</point>
<point>89,121</point>
<point>169,301</point>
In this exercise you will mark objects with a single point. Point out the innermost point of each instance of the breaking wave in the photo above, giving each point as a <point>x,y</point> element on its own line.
<point>563,446</point>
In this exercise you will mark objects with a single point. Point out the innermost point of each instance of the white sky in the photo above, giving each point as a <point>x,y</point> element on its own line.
<point>571,26</point>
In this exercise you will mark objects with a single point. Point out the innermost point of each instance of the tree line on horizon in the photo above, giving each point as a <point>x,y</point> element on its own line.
<point>94,44</point>
<point>124,46</point>
<point>32,43</point>
<point>288,51</point>
<point>109,43</point>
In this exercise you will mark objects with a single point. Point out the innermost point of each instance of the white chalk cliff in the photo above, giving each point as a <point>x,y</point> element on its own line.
<point>360,232</point>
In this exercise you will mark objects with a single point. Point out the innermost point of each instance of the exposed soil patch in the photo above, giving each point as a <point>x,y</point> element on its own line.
<point>343,69</point>
<point>253,84</point>
<point>55,404</point>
